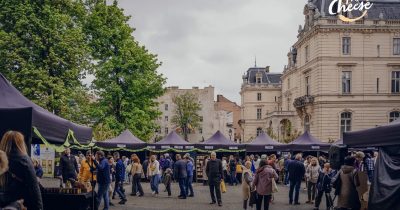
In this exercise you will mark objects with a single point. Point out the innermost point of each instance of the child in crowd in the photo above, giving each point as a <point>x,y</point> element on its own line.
<point>167,179</point>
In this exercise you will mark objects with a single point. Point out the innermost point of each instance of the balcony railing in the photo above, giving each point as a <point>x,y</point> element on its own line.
<point>280,114</point>
<point>303,101</point>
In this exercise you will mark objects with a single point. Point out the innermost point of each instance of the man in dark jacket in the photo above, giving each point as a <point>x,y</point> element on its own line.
<point>296,173</point>
<point>180,174</point>
<point>103,178</point>
<point>119,177</point>
<point>215,174</point>
<point>68,166</point>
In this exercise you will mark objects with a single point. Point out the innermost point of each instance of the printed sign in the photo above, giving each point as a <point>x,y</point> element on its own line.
<point>121,145</point>
<point>345,7</point>
<point>151,147</point>
<point>189,147</point>
<point>209,147</point>
<point>178,147</point>
<point>45,156</point>
<point>233,147</point>
<point>269,147</point>
<point>315,147</point>
<point>165,147</point>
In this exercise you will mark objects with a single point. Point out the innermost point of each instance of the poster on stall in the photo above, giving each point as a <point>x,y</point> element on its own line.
<point>45,156</point>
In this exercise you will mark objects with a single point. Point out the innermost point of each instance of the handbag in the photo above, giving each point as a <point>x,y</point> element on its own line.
<point>274,186</point>
<point>223,187</point>
<point>253,198</point>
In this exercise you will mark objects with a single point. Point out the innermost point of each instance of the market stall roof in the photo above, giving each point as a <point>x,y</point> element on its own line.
<point>171,141</point>
<point>263,143</point>
<point>125,140</point>
<point>307,142</point>
<point>53,128</point>
<point>385,135</point>
<point>219,141</point>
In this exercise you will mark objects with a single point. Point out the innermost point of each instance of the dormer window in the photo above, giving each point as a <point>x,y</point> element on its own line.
<point>258,77</point>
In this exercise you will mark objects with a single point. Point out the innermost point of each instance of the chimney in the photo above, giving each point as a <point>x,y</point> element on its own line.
<point>267,69</point>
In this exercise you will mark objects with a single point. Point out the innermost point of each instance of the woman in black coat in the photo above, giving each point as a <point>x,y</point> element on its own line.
<point>20,181</point>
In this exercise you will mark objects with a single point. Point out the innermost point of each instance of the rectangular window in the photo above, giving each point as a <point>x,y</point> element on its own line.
<point>258,96</point>
<point>275,98</point>
<point>345,123</point>
<point>307,52</point>
<point>166,107</point>
<point>288,83</point>
<point>396,82</point>
<point>166,118</point>
<point>346,82</point>
<point>200,130</point>
<point>258,80</point>
<point>346,45</point>
<point>259,112</point>
<point>377,85</point>
<point>166,131</point>
<point>396,46</point>
<point>307,86</point>
<point>201,118</point>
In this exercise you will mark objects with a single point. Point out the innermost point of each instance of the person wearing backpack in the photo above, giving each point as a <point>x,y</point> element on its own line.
<point>345,183</point>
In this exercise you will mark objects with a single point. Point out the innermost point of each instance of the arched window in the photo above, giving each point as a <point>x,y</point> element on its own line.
<point>345,123</point>
<point>394,116</point>
<point>259,131</point>
<point>307,123</point>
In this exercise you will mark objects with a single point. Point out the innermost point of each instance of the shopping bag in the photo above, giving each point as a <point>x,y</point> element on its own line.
<point>274,186</point>
<point>223,187</point>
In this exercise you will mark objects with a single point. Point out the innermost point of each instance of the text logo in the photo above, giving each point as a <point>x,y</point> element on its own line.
<point>347,6</point>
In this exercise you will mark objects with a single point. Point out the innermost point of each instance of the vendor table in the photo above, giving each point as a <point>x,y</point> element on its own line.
<point>61,201</point>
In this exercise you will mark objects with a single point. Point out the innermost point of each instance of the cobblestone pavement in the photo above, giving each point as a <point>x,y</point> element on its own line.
<point>232,199</point>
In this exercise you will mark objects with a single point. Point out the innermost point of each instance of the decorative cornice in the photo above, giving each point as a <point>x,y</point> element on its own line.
<point>346,64</point>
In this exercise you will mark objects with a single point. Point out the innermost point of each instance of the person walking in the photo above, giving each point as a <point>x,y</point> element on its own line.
<point>312,174</point>
<point>136,172</point>
<point>225,168</point>
<point>145,167</point>
<point>119,178</point>
<point>286,168</point>
<point>346,181</point>
<point>239,172</point>
<point>324,187</point>
<point>180,173</point>
<point>189,179</point>
<point>68,166</point>
<point>296,173</point>
<point>263,184</point>
<point>246,183</point>
<point>153,173</point>
<point>103,179</point>
<point>205,177</point>
<point>86,170</point>
<point>215,176</point>
<point>232,171</point>
<point>20,181</point>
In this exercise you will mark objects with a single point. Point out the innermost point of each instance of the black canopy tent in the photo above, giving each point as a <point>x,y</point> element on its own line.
<point>171,142</point>
<point>19,113</point>
<point>307,142</point>
<point>264,143</point>
<point>219,142</point>
<point>385,187</point>
<point>125,141</point>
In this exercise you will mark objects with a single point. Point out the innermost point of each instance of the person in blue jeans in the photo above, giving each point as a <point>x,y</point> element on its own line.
<point>180,174</point>
<point>232,171</point>
<point>103,178</point>
<point>119,178</point>
<point>296,173</point>
<point>189,179</point>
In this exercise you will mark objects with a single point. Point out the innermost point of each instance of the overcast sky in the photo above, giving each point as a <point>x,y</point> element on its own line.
<point>213,42</point>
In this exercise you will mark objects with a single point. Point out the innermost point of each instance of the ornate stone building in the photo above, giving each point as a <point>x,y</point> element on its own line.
<point>259,93</point>
<point>341,76</point>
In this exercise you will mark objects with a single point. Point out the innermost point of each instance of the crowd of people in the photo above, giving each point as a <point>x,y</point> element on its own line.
<point>259,176</point>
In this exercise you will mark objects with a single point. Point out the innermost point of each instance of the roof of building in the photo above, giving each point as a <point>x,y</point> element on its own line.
<point>389,8</point>
<point>267,77</point>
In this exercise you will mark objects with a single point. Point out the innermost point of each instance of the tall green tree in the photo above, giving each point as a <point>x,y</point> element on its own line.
<point>43,51</point>
<point>186,114</point>
<point>126,77</point>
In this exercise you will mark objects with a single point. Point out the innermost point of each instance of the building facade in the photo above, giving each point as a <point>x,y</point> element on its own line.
<point>259,93</point>
<point>341,76</point>
<point>233,115</point>
<point>211,118</point>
